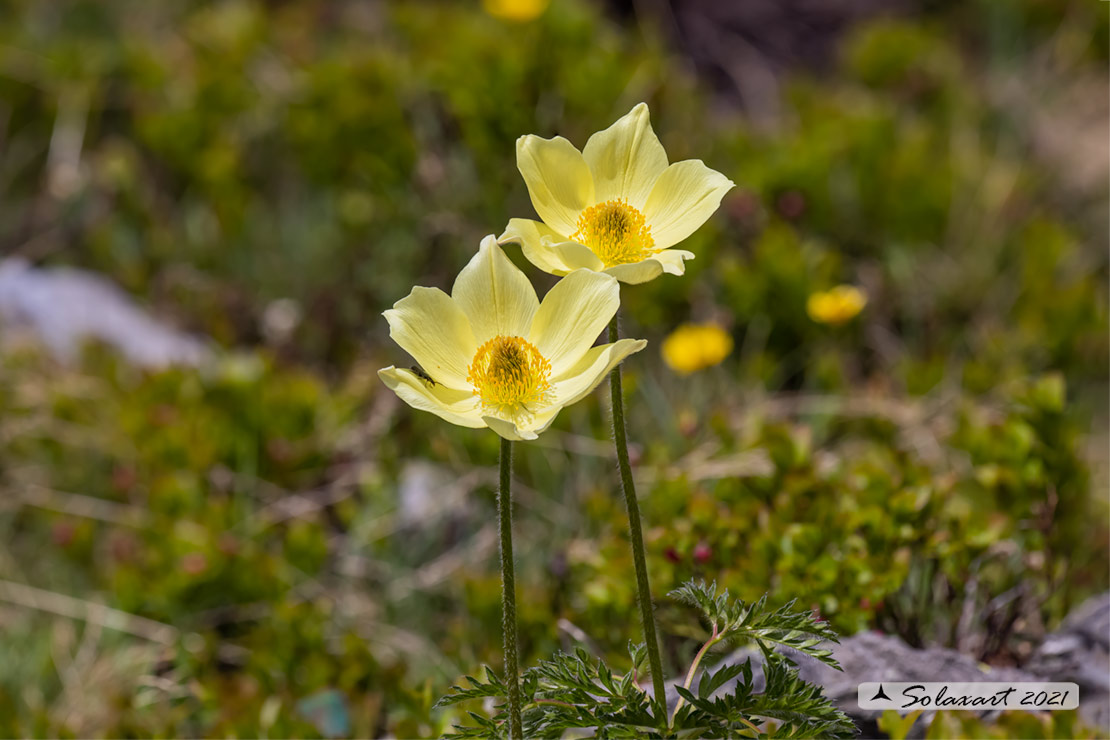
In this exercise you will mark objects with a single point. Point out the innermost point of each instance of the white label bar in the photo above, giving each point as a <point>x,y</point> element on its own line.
<point>909,696</point>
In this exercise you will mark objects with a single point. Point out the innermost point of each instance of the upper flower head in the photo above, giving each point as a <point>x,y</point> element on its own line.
<point>616,206</point>
<point>494,356</point>
<point>693,347</point>
<point>836,306</point>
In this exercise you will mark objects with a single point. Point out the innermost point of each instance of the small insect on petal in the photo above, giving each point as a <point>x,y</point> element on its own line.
<point>419,372</point>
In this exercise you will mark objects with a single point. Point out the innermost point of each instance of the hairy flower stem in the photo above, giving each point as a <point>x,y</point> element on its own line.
<point>713,640</point>
<point>508,590</point>
<point>643,588</point>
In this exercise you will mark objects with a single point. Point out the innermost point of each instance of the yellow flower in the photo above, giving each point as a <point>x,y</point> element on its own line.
<point>836,306</point>
<point>492,355</point>
<point>614,207</point>
<point>518,11</point>
<point>693,347</point>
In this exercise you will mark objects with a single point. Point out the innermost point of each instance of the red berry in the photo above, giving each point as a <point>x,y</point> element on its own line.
<point>194,563</point>
<point>63,533</point>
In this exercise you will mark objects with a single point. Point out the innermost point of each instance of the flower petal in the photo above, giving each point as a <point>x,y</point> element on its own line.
<point>524,428</point>
<point>456,406</point>
<point>626,159</point>
<point>507,429</point>
<point>668,260</point>
<point>673,260</point>
<point>575,256</point>
<point>636,272</point>
<point>548,250</point>
<point>558,180</point>
<point>495,295</point>
<point>431,326</point>
<point>591,369</point>
<point>571,316</point>
<point>522,230</point>
<point>684,197</point>
<point>504,428</point>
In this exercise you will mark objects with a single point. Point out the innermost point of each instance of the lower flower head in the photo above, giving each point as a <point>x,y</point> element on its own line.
<point>836,306</point>
<point>493,356</point>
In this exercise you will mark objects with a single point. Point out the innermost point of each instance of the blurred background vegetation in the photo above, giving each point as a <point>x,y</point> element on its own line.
<point>273,545</point>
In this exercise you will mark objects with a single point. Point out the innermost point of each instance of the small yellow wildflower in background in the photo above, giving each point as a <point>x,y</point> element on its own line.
<point>836,306</point>
<point>519,11</point>
<point>693,347</point>
<point>617,206</point>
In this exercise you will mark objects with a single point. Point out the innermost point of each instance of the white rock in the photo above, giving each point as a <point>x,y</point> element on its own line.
<point>63,307</point>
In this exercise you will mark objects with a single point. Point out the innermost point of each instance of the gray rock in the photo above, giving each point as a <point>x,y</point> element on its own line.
<point>871,656</point>
<point>63,307</point>
<point>429,493</point>
<point>1079,651</point>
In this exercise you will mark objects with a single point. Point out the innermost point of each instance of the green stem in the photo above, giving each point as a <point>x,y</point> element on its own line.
<point>508,589</point>
<point>555,702</point>
<point>713,640</point>
<point>750,726</point>
<point>643,588</point>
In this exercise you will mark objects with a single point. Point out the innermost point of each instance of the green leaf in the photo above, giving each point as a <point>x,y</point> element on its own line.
<point>711,681</point>
<point>796,707</point>
<point>738,621</point>
<point>493,686</point>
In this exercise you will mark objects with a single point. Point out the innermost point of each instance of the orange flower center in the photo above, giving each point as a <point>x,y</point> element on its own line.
<point>615,232</point>
<point>509,372</point>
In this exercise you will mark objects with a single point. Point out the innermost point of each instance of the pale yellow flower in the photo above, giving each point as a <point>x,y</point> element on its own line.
<point>836,306</point>
<point>492,355</point>
<point>518,11</point>
<point>614,207</point>
<point>693,347</point>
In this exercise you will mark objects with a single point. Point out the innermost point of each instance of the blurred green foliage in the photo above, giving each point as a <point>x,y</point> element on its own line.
<point>234,154</point>
<point>1057,725</point>
<point>334,154</point>
<point>1006,725</point>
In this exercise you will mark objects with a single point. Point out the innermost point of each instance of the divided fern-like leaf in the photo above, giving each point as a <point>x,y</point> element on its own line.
<point>578,692</point>
<point>492,686</point>
<point>713,680</point>
<point>738,621</point>
<point>798,708</point>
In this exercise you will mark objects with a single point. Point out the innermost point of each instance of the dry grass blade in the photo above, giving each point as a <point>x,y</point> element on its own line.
<point>87,611</point>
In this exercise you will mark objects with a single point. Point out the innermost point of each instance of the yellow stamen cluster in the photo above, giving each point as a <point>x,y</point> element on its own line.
<point>508,373</point>
<point>615,232</point>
